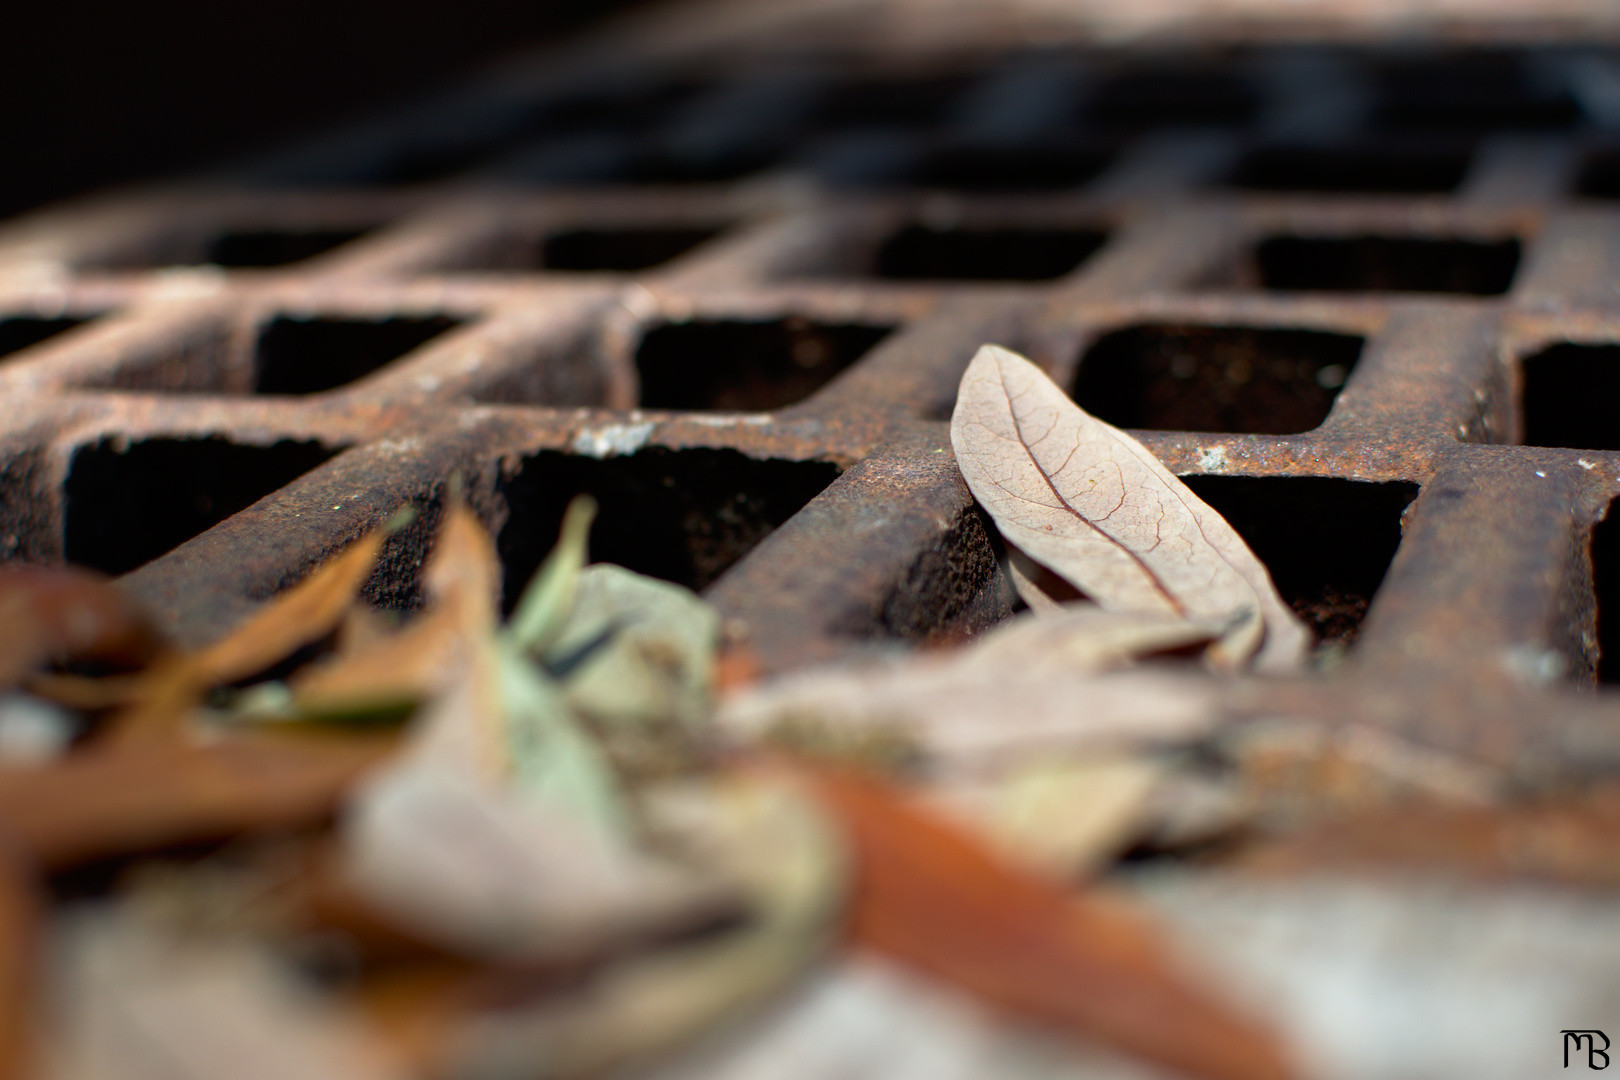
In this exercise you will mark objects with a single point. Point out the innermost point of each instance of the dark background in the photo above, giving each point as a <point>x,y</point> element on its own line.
<point>98,94</point>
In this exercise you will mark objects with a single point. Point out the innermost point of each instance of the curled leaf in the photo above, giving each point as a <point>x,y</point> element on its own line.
<point>544,608</point>
<point>1086,500</point>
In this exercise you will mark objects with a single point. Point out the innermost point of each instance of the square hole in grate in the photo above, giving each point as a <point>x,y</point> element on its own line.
<point>275,247</point>
<point>663,167</point>
<point>1288,168</point>
<point>921,253</point>
<point>125,507</point>
<point>1026,168</point>
<point>21,332</point>
<point>890,102</point>
<point>1606,586</point>
<point>622,250</point>
<point>1326,542</point>
<point>746,366</point>
<point>1387,264</point>
<point>307,356</point>
<point>1172,98</point>
<point>1474,92</point>
<point>1569,397</point>
<point>681,515</point>
<point>1599,177</point>
<point>1215,378</point>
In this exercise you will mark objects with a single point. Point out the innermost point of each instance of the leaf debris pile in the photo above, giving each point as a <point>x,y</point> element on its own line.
<point>555,848</point>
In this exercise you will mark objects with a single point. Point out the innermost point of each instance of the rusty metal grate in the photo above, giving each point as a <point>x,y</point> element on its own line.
<point>1364,297</point>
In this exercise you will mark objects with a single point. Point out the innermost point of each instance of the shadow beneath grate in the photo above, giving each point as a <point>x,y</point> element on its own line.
<point>681,515</point>
<point>1327,542</point>
<point>125,507</point>
<point>1569,397</point>
<point>893,102</point>
<point>19,333</point>
<point>1140,100</point>
<point>1370,169</point>
<point>1606,588</point>
<point>746,366</point>
<point>1215,378</point>
<point>1387,264</point>
<point>242,249</point>
<point>1009,169</point>
<point>621,250</point>
<point>308,356</point>
<point>920,253</point>
<point>1482,91</point>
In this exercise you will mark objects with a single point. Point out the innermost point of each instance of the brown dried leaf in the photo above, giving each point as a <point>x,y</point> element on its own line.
<point>63,613</point>
<point>21,930</point>
<point>934,898</point>
<point>1093,504</point>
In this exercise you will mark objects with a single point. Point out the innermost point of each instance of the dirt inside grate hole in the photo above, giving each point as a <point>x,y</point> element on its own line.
<point>22,332</point>
<point>1020,168</point>
<point>125,507</point>
<point>1414,171</point>
<point>920,253</point>
<point>1387,264</point>
<point>746,366</point>
<point>1215,378</point>
<point>681,515</point>
<point>1570,396</point>
<point>1170,98</point>
<point>1606,585</point>
<point>1326,542</point>
<point>1480,92</point>
<point>267,247</point>
<point>307,356</point>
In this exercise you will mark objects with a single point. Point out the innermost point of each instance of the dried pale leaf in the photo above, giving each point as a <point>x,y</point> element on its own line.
<point>1081,638</point>
<point>933,897</point>
<point>34,731</point>
<point>1027,577</point>
<point>142,1004</point>
<point>549,598</point>
<point>495,873</point>
<point>636,651</point>
<point>757,832</point>
<point>553,757</point>
<point>1088,501</point>
<point>962,716</point>
<point>866,1018</point>
<point>1062,818</point>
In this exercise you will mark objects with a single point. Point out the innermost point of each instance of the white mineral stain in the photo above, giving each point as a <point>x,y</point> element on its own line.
<point>1212,458</point>
<point>613,439</point>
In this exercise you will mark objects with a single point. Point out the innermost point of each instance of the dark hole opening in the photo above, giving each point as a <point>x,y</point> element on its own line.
<point>124,508</point>
<point>622,250</point>
<point>1372,170</point>
<point>684,516</point>
<point>921,253</point>
<point>664,167</point>
<point>920,102</point>
<point>1029,168</point>
<point>1570,397</point>
<point>1600,175</point>
<point>1326,542</point>
<point>20,333</point>
<point>1606,586</point>
<point>1215,378</point>
<point>1387,264</point>
<point>1146,99</point>
<point>424,163</point>
<point>1475,93</point>
<point>746,366</point>
<point>307,356</point>
<point>274,247</point>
